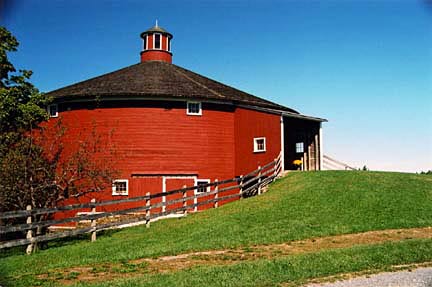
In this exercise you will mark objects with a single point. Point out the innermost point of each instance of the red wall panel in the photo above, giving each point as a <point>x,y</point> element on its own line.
<point>164,42</point>
<point>250,124</point>
<point>154,55</point>
<point>154,139</point>
<point>177,183</point>
<point>150,42</point>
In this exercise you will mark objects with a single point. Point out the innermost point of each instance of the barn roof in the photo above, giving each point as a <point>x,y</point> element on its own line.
<point>154,79</point>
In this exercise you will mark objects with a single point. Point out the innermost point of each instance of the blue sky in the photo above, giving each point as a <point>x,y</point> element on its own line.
<point>366,66</point>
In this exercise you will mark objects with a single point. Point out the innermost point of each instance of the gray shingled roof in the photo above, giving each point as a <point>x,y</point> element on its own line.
<point>159,79</point>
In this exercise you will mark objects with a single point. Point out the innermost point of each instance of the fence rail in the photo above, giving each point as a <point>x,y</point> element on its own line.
<point>247,185</point>
<point>333,164</point>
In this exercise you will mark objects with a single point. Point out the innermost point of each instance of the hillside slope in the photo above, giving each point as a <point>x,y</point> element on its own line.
<point>299,206</point>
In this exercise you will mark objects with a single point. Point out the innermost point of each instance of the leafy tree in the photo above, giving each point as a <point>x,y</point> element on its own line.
<point>36,168</point>
<point>21,104</point>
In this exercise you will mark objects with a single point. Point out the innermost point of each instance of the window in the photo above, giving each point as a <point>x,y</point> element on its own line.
<point>53,110</point>
<point>299,147</point>
<point>157,41</point>
<point>201,185</point>
<point>145,42</point>
<point>120,187</point>
<point>194,108</point>
<point>168,44</point>
<point>259,144</point>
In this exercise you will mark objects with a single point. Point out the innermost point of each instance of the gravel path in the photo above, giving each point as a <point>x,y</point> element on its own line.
<point>421,277</point>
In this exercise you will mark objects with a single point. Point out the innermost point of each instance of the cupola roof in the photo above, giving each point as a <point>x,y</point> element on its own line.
<point>156,29</point>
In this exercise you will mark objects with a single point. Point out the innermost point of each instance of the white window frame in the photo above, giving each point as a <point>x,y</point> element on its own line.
<point>255,144</point>
<point>154,41</point>
<point>49,110</point>
<point>114,191</point>
<point>194,114</point>
<point>202,180</point>
<point>298,146</point>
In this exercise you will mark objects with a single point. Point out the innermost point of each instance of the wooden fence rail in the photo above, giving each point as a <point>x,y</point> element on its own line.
<point>333,164</point>
<point>249,184</point>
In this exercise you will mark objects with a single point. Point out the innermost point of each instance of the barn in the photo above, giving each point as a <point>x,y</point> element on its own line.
<point>174,127</point>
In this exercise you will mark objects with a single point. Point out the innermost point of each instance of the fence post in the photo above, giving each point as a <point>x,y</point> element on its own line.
<point>259,180</point>
<point>302,164</point>
<point>305,161</point>
<point>195,200</point>
<point>184,200</point>
<point>29,235</point>
<point>241,187</point>
<point>163,202</point>
<point>216,196</point>
<point>148,210</point>
<point>93,221</point>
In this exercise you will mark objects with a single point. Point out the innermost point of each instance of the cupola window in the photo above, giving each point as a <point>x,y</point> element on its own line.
<point>145,42</point>
<point>168,44</point>
<point>157,41</point>
<point>194,108</point>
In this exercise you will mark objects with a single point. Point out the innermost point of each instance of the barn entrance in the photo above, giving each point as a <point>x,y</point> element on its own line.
<point>173,183</point>
<point>143,183</point>
<point>302,143</point>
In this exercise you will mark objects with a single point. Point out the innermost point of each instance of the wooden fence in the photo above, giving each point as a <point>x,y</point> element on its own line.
<point>333,164</point>
<point>218,192</point>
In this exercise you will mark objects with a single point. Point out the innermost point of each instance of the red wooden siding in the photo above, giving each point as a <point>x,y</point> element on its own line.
<point>159,138</point>
<point>150,42</point>
<point>172,183</point>
<point>250,124</point>
<point>164,42</point>
<point>156,56</point>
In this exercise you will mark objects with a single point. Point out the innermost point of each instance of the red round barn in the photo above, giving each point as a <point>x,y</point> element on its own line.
<point>173,127</point>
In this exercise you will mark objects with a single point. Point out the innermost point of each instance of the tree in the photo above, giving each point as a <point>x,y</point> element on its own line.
<point>36,167</point>
<point>21,105</point>
<point>39,171</point>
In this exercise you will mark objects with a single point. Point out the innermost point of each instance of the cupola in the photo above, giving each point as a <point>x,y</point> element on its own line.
<point>156,45</point>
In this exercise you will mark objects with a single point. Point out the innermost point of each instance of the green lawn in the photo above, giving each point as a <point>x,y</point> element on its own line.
<point>293,269</point>
<point>299,206</point>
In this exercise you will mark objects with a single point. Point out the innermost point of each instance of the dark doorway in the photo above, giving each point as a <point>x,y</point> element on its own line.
<point>301,144</point>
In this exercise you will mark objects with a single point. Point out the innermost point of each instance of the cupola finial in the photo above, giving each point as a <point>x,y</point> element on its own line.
<point>156,23</point>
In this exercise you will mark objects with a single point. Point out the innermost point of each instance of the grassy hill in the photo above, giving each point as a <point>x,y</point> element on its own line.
<point>297,207</point>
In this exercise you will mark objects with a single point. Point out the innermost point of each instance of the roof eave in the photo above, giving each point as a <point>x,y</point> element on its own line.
<point>285,113</point>
<point>304,117</point>
<point>158,97</point>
